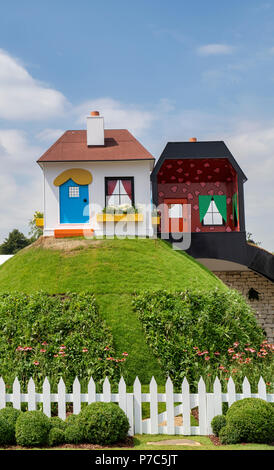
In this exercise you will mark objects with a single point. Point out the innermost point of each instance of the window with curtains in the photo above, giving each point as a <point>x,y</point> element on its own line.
<point>213,210</point>
<point>119,191</point>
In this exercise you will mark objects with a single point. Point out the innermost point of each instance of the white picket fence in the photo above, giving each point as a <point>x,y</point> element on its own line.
<point>209,404</point>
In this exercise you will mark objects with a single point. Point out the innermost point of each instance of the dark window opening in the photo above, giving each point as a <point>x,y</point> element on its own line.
<point>253,294</point>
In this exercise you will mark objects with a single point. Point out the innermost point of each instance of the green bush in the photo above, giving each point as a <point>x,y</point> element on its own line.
<point>54,336</point>
<point>71,419</point>
<point>56,437</point>
<point>10,415</point>
<point>229,435</point>
<point>57,423</point>
<point>32,429</point>
<point>103,423</point>
<point>191,332</point>
<point>6,432</point>
<point>73,433</point>
<point>218,423</point>
<point>252,419</point>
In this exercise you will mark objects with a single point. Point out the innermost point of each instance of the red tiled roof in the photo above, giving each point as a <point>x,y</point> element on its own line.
<point>119,145</point>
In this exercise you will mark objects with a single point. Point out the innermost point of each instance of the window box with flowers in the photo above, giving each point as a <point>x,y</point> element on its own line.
<point>119,199</point>
<point>123,212</point>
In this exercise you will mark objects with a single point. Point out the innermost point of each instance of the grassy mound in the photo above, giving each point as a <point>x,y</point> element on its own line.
<point>113,270</point>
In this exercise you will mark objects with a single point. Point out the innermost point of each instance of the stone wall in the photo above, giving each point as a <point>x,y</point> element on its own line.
<point>264,307</point>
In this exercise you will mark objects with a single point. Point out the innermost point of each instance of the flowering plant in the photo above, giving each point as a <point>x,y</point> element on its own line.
<point>207,334</point>
<point>121,209</point>
<point>55,336</point>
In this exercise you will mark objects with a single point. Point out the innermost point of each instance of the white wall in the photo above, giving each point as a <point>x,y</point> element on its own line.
<point>140,170</point>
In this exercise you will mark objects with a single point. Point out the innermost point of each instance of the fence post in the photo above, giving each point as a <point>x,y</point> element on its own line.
<point>246,388</point>
<point>106,390</point>
<point>202,407</point>
<point>231,392</point>
<point>262,389</point>
<point>31,395</point>
<point>122,390</point>
<point>2,393</point>
<point>129,412</point>
<point>46,398</point>
<point>214,403</point>
<point>153,406</point>
<point>61,399</point>
<point>91,391</point>
<point>137,403</point>
<point>170,406</point>
<point>186,408</point>
<point>16,394</point>
<point>76,390</point>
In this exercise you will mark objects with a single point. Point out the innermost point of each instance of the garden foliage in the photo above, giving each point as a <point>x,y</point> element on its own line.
<point>103,423</point>
<point>197,334</point>
<point>98,423</point>
<point>218,423</point>
<point>10,416</point>
<point>54,335</point>
<point>249,420</point>
<point>32,429</point>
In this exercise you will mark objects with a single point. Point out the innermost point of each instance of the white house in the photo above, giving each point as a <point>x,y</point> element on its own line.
<point>91,178</point>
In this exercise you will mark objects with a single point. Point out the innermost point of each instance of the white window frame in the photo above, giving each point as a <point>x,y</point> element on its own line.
<point>214,214</point>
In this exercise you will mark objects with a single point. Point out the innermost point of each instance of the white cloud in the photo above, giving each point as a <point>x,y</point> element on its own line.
<point>252,145</point>
<point>49,135</point>
<point>215,49</point>
<point>20,180</point>
<point>23,97</point>
<point>117,114</point>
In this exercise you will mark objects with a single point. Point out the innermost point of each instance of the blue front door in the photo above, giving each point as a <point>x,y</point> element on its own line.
<point>74,201</point>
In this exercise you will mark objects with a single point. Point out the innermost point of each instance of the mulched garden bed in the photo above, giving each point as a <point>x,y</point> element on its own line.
<point>128,442</point>
<point>215,440</point>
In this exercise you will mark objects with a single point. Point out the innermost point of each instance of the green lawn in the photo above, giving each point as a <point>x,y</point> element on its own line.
<point>140,443</point>
<point>113,270</point>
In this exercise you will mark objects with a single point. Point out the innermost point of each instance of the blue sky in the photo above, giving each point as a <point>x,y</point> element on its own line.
<point>164,70</point>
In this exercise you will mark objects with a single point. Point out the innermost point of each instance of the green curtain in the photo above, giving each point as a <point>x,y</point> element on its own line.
<point>235,205</point>
<point>220,202</point>
<point>204,202</point>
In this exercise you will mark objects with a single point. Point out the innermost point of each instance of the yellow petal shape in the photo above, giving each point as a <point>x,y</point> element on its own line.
<point>78,175</point>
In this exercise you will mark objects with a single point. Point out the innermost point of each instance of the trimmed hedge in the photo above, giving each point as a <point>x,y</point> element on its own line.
<point>6,432</point>
<point>10,415</point>
<point>74,433</point>
<point>103,423</point>
<point>56,437</point>
<point>217,424</point>
<point>57,423</point>
<point>32,429</point>
<point>249,420</point>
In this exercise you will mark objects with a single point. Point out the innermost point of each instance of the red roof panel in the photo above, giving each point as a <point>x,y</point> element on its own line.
<point>119,145</point>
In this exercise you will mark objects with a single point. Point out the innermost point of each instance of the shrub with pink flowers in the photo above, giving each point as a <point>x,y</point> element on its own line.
<point>55,336</point>
<point>209,334</point>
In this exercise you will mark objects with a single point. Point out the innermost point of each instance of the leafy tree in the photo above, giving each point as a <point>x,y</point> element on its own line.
<point>249,238</point>
<point>35,231</point>
<point>14,242</point>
